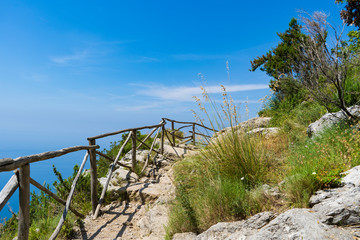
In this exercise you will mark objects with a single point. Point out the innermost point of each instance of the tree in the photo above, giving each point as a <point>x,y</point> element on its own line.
<point>351,13</point>
<point>325,66</point>
<point>281,63</point>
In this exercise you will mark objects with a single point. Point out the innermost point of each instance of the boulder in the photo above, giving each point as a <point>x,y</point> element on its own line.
<point>237,230</point>
<point>297,223</point>
<point>141,156</point>
<point>152,224</point>
<point>257,122</point>
<point>330,119</point>
<point>340,206</point>
<point>184,236</point>
<point>120,178</point>
<point>171,151</point>
<point>265,132</point>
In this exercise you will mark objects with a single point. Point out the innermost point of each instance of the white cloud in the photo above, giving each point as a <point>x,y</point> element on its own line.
<point>184,93</point>
<point>138,108</point>
<point>144,59</point>
<point>76,56</point>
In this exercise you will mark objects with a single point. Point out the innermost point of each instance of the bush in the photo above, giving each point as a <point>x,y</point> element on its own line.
<point>216,185</point>
<point>319,162</point>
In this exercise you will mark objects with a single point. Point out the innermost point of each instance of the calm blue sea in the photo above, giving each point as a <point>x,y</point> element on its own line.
<point>42,171</point>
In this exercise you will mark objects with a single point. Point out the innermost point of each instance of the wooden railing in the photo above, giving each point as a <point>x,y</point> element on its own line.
<point>21,178</point>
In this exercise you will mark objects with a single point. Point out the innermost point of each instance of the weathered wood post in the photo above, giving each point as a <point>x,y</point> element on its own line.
<point>133,156</point>
<point>173,132</point>
<point>163,132</point>
<point>193,133</point>
<point>93,172</point>
<point>24,202</point>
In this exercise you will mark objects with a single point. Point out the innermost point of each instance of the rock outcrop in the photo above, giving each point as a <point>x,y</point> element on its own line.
<point>253,126</point>
<point>257,122</point>
<point>330,119</point>
<point>340,206</point>
<point>265,132</point>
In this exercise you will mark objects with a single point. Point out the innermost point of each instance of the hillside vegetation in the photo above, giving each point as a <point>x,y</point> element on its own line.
<point>238,174</point>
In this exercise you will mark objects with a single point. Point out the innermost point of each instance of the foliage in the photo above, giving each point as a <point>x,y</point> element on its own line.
<point>45,214</point>
<point>325,67</point>
<point>8,229</point>
<point>351,13</point>
<point>281,63</point>
<point>217,184</point>
<point>354,41</point>
<point>82,195</point>
<point>318,163</point>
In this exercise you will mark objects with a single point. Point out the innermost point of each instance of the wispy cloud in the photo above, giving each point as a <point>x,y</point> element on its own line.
<point>76,56</point>
<point>138,108</point>
<point>113,42</point>
<point>198,57</point>
<point>184,93</point>
<point>144,59</point>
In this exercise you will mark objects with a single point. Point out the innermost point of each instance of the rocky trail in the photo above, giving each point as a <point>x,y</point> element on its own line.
<point>140,206</point>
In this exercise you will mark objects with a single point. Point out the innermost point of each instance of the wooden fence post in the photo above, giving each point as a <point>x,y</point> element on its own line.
<point>24,202</point>
<point>133,156</point>
<point>93,172</point>
<point>193,133</point>
<point>173,133</point>
<point>163,132</point>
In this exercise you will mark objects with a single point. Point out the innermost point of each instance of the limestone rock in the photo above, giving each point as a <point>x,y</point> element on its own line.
<point>257,122</point>
<point>246,126</point>
<point>184,236</point>
<point>352,177</point>
<point>237,230</point>
<point>339,206</point>
<point>330,119</point>
<point>177,151</point>
<point>298,224</point>
<point>152,224</point>
<point>265,132</point>
<point>141,156</point>
<point>150,192</point>
<point>120,178</point>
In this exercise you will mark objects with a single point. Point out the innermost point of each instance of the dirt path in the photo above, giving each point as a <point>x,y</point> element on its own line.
<point>143,216</point>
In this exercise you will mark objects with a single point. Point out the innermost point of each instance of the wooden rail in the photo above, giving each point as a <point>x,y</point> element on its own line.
<point>124,131</point>
<point>8,164</point>
<point>21,178</point>
<point>8,190</point>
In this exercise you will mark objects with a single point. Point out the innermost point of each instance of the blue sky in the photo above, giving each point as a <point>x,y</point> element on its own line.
<point>73,69</point>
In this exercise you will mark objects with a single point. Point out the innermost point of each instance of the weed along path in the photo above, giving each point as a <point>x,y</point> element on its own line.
<point>141,212</point>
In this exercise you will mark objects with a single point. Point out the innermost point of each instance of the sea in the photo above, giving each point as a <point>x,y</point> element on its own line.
<point>42,171</point>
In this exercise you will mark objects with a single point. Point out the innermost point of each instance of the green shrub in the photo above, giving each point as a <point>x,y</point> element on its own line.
<point>216,185</point>
<point>319,162</point>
